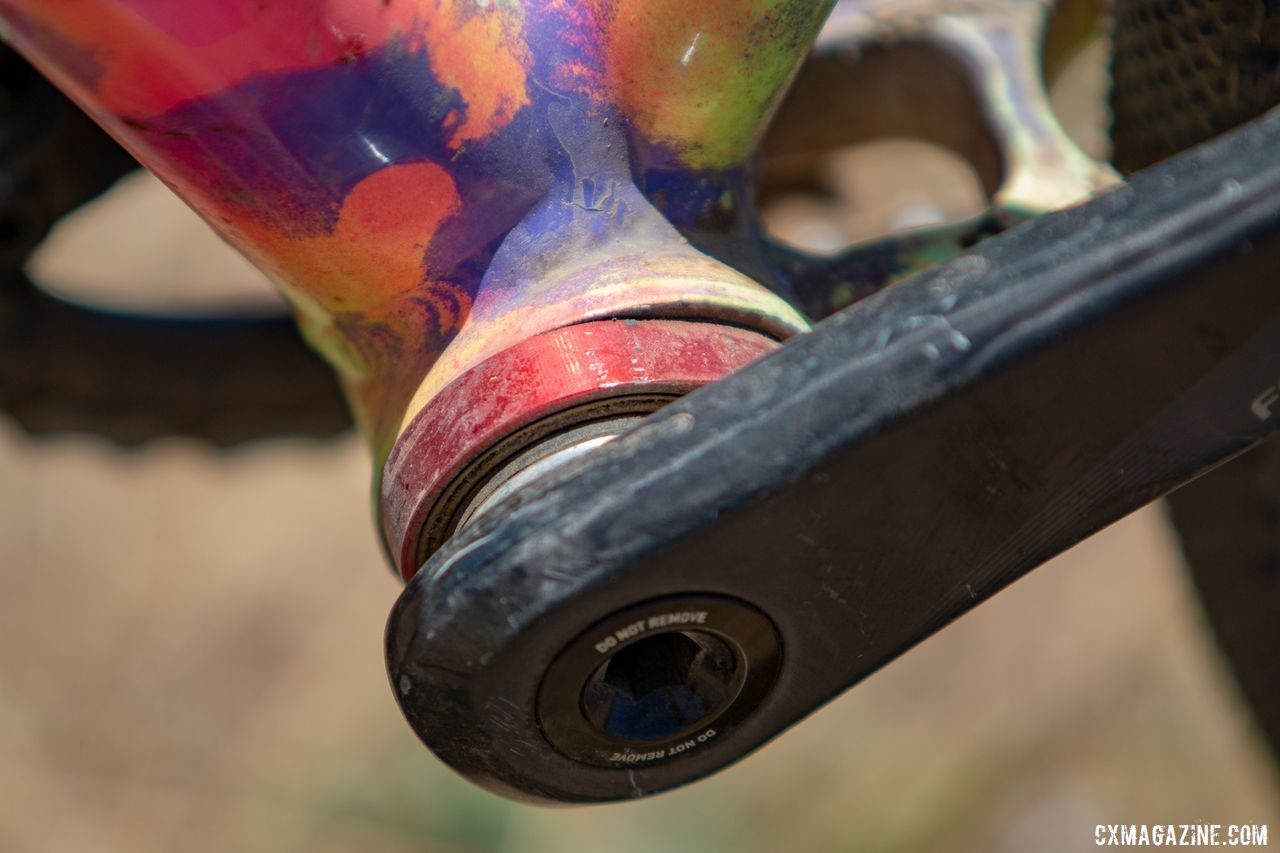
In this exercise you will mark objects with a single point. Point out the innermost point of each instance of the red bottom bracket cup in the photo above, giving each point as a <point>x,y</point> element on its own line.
<point>609,371</point>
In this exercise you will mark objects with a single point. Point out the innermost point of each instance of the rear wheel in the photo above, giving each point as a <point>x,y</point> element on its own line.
<point>1185,71</point>
<point>70,367</point>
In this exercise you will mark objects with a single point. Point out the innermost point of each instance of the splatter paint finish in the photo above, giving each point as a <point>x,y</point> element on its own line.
<point>429,181</point>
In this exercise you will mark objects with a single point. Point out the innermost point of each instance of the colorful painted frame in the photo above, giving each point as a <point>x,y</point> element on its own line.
<point>433,182</point>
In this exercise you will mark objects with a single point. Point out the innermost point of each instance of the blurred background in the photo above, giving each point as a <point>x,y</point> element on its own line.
<point>191,639</point>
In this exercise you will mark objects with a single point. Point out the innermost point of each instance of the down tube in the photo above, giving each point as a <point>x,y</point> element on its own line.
<point>372,155</point>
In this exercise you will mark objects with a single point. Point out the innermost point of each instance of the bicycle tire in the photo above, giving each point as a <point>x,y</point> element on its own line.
<point>1184,71</point>
<point>66,367</point>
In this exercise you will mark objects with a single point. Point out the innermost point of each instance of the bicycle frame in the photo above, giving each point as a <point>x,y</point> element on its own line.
<point>431,184</point>
<point>395,167</point>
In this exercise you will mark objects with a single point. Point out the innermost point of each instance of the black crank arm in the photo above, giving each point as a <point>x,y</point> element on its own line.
<point>837,502</point>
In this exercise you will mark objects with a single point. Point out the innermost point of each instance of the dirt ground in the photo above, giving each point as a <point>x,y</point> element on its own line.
<point>190,659</point>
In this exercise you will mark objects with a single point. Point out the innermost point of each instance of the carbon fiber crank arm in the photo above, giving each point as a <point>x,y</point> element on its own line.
<point>671,601</point>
